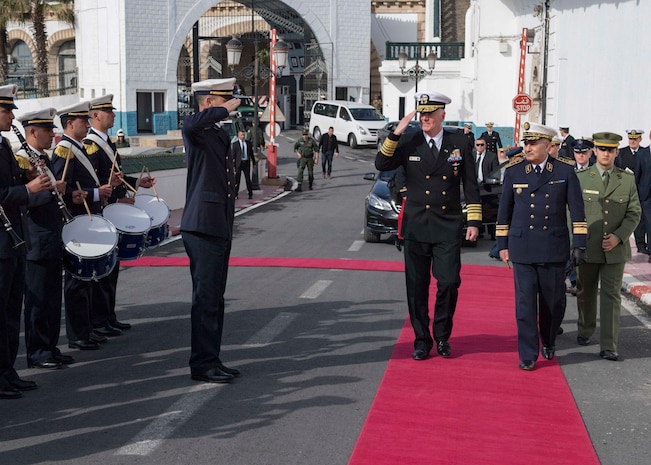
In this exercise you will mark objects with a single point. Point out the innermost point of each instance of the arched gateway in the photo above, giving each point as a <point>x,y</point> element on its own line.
<point>141,51</point>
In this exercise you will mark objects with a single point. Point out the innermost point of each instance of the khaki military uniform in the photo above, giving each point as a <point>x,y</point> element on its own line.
<point>609,210</point>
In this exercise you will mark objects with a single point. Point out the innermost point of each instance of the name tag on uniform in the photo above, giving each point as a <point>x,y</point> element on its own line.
<point>588,191</point>
<point>520,186</point>
<point>414,158</point>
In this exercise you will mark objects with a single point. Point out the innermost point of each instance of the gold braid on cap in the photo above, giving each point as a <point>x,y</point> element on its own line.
<point>101,106</point>
<point>536,136</point>
<point>221,92</point>
<point>6,102</point>
<point>429,108</point>
<point>37,121</point>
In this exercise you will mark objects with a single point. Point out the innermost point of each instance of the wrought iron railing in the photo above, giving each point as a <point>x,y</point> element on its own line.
<point>420,50</point>
<point>49,85</point>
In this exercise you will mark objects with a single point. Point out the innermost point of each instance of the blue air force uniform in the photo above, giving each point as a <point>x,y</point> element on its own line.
<point>532,225</point>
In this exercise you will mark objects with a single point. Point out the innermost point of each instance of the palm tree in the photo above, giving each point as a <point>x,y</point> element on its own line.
<point>34,12</point>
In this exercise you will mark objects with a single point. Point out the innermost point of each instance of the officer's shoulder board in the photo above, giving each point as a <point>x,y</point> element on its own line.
<point>567,161</point>
<point>62,151</point>
<point>624,170</point>
<point>23,161</point>
<point>583,170</point>
<point>514,161</point>
<point>91,147</point>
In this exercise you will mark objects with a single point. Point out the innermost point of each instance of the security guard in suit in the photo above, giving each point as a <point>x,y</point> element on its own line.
<point>532,234</point>
<point>492,138</point>
<point>435,163</point>
<point>613,210</point>
<point>207,223</point>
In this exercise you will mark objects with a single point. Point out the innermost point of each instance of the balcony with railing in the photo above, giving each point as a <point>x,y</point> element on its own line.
<point>419,50</point>
<point>34,85</point>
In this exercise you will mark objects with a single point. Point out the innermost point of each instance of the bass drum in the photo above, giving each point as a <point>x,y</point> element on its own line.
<point>132,224</point>
<point>90,247</point>
<point>159,213</point>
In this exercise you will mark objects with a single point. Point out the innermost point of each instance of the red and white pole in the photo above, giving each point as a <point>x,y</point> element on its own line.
<point>523,60</point>
<point>272,151</point>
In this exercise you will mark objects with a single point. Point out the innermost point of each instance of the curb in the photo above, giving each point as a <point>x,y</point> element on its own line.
<point>636,289</point>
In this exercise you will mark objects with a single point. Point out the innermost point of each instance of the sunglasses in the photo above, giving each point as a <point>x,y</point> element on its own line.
<point>480,145</point>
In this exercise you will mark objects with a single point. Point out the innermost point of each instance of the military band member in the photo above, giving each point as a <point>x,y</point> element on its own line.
<point>71,163</point>
<point>532,234</point>
<point>43,294</point>
<point>613,211</point>
<point>98,144</point>
<point>15,193</point>
<point>436,162</point>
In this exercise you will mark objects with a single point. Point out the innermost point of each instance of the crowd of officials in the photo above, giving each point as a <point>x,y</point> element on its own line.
<point>550,182</point>
<point>38,193</point>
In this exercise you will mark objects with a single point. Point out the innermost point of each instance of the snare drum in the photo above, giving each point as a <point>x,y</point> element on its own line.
<point>132,224</point>
<point>89,247</point>
<point>159,213</point>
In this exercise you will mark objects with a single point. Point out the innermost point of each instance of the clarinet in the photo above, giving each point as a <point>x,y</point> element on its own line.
<point>15,238</point>
<point>35,159</point>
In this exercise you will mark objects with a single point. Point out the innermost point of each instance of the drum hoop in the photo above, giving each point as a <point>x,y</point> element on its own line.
<point>111,225</point>
<point>129,207</point>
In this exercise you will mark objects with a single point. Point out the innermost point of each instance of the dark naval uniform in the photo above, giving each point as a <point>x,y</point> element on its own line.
<point>532,225</point>
<point>432,223</point>
<point>493,141</point>
<point>207,230</point>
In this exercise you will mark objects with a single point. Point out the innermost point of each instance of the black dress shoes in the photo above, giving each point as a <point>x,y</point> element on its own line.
<point>420,354</point>
<point>120,325</point>
<point>7,392</point>
<point>214,375</point>
<point>23,385</point>
<point>548,352</point>
<point>231,371</point>
<point>83,345</point>
<point>443,348</point>
<point>98,338</point>
<point>583,341</point>
<point>47,364</point>
<point>527,365</point>
<point>609,355</point>
<point>65,359</point>
<point>107,330</point>
<point>250,196</point>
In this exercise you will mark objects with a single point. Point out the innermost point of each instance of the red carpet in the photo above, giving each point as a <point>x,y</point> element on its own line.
<point>477,407</point>
<point>324,263</point>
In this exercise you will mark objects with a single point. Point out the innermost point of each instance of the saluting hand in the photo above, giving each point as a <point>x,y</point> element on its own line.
<point>404,122</point>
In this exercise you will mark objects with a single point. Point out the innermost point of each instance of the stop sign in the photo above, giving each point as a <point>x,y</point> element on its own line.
<point>522,104</point>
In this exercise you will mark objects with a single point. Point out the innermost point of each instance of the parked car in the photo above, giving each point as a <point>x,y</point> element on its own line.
<point>381,212</point>
<point>414,126</point>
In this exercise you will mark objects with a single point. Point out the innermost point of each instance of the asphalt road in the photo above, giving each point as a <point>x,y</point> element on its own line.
<point>312,345</point>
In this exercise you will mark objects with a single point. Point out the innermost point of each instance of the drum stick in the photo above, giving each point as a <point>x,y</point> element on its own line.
<point>153,186</point>
<point>140,177</point>
<point>85,204</point>
<point>129,186</point>
<point>65,169</point>
<point>112,168</point>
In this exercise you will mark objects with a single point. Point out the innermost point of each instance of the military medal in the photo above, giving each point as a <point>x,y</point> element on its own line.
<point>455,160</point>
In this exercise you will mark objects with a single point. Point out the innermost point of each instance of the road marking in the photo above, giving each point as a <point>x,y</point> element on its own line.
<point>637,312</point>
<point>272,329</point>
<point>356,246</point>
<point>150,438</point>
<point>316,289</point>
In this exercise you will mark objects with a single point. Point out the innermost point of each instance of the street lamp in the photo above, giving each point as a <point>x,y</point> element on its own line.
<point>417,72</point>
<point>252,71</point>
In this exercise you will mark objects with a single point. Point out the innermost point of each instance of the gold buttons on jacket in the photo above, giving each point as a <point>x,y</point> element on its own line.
<point>427,207</point>
<point>605,201</point>
<point>533,194</point>
<point>605,212</point>
<point>531,227</point>
<point>532,217</point>
<point>547,207</point>
<point>443,208</point>
<point>605,223</point>
<point>444,193</point>
<point>544,228</point>
<point>445,178</point>
<point>533,206</point>
<point>546,196</point>
<point>427,192</point>
<point>427,177</point>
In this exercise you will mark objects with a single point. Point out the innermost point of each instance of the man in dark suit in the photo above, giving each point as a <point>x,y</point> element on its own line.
<point>627,159</point>
<point>243,152</point>
<point>207,223</point>
<point>485,161</point>
<point>642,173</point>
<point>74,165</point>
<point>14,197</point>
<point>43,295</point>
<point>436,162</point>
<point>532,233</point>
<point>567,142</point>
<point>492,138</point>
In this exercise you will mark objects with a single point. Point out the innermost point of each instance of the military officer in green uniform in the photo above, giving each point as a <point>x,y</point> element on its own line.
<point>612,208</point>
<point>307,151</point>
